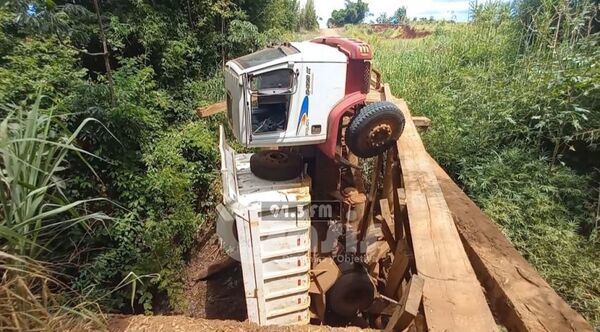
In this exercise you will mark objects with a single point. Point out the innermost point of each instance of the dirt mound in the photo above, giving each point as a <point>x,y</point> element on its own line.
<point>408,32</point>
<point>381,27</point>
<point>401,31</point>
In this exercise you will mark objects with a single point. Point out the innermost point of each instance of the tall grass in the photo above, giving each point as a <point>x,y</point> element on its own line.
<point>36,220</point>
<point>514,97</point>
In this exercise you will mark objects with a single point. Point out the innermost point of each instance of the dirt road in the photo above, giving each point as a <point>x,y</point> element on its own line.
<point>330,32</point>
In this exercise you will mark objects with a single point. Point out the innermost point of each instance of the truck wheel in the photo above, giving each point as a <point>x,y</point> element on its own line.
<point>274,165</point>
<point>374,129</point>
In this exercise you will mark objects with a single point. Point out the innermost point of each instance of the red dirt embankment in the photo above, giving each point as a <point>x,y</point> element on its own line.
<point>402,31</point>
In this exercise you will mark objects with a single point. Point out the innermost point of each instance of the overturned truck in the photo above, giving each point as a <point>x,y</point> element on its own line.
<point>340,218</point>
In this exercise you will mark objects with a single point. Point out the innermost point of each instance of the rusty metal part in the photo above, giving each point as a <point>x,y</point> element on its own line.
<point>379,134</point>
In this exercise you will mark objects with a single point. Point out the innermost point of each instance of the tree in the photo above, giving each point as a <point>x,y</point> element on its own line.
<point>354,13</point>
<point>383,19</point>
<point>400,15</point>
<point>308,16</point>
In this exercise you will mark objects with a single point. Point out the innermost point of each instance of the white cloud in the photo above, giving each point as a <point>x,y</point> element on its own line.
<point>439,9</point>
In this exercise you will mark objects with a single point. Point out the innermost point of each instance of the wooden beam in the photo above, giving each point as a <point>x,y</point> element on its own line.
<point>212,109</point>
<point>520,297</point>
<point>397,270</point>
<point>388,179</point>
<point>408,307</point>
<point>452,297</point>
<point>367,218</point>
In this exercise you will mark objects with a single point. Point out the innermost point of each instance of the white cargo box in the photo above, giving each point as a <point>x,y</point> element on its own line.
<point>273,230</point>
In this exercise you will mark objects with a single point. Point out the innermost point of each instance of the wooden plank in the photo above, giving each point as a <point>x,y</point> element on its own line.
<point>397,270</point>
<point>409,305</point>
<point>521,298</point>
<point>399,207</point>
<point>452,297</point>
<point>212,109</point>
<point>387,224</point>
<point>388,179</point>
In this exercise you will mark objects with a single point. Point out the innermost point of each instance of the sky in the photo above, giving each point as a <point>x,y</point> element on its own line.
<point>439,9</point>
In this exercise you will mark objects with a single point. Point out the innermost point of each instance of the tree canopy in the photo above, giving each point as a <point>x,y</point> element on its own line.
<point>353,13</point>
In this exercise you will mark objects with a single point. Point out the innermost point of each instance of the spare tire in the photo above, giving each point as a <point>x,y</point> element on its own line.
<point>276,165</point>
<point>374,129</point>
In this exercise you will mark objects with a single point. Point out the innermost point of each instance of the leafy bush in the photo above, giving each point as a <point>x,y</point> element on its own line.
<point>38,65</point>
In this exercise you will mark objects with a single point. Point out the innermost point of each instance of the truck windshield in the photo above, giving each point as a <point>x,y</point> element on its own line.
<point>271,92</point>
<point>264,56</point>
<point>274,82</point>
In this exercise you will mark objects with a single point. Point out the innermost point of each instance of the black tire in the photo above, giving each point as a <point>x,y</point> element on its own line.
<point>374,129</point>
<point>275,165</point>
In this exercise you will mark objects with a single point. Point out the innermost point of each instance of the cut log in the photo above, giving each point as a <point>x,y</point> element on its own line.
<point>452,297</point>
<point>421,122</point>
<point>520,297</point>
<point>212,109</point>
<point>408,307</point>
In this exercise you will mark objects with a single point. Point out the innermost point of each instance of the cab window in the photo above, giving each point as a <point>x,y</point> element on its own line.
<point>271,94</point>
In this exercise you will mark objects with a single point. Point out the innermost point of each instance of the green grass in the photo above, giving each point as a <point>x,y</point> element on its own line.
<point>497,119</point>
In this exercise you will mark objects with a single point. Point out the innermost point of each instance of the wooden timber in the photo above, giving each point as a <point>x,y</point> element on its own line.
<point>452,296</point>
<point>212,109</point>
<point>522,300</point>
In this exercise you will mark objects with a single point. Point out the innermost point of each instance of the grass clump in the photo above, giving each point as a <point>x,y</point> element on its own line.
<point>37,218</point>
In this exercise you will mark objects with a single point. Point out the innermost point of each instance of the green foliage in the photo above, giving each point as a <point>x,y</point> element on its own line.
<point>515,119</point>
<point>399,17</point>
<point>353,13</point>
<point>158,168</point>
<point>540,212</point>
<point>38,65</point>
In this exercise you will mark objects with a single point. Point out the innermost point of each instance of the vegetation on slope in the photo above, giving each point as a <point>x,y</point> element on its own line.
<point>140,68</point>
<point>515,104</point>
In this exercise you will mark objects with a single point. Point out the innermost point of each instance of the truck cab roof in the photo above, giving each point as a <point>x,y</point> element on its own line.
<point>292,52</point>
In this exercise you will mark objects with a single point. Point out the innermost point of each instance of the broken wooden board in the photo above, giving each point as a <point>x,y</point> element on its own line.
<point>453,299</point>
<point>212,109</point>
<point>408,307</point>
<point>323,276</point>
<point>520,297</point>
